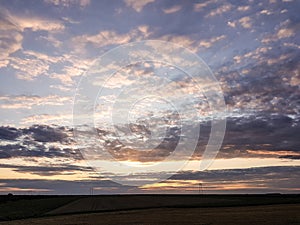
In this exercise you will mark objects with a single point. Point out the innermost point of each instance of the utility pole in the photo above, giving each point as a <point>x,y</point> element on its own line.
<point>200,188</point>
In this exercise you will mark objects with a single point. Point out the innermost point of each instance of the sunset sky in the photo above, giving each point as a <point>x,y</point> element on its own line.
<point>251,47</point>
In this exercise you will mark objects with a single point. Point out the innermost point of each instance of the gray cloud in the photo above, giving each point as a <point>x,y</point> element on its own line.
<point>254,135</point>
<point>251,180</point>
<point>37,150</point>
<point>37,141</point>
<point>46,170</point>
<point>275,132</point>
<point>268,88</point>
<point>9,133</point>
<point>67,187</point>
<point>43,133</point>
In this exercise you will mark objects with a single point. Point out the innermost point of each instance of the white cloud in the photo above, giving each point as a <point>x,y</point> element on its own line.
<point>33,64</point>
<point>231,24</point>
<point>273,61</point>
<point>138,5</point>
<point>68,3</point>
<point>11,30</point>
<point>36,24</point>
<point>51,39</point>
<point>208,43</point>
<point>243,8</point>
<point>11,38</point>
<point>4,63</point>
<point>265,12</point>
<point>282,33</point>
<point>116,81</point>
<point>67,75</point>
<point>105,38</point>
<point>61,87</point>
<point>69,20</point>
<point>110,37</point>
<point>220,10</point>
<point>21,22</point>
<point>65,119</point>
<point>77,68</point>
<point>44,57</point>
<point>30,101</point>
<point>28,69</point>
<point>285,33</point>
<point>180,39</point>
<point>246,22</point>
<point>172,9</point>
<point>200,6</point>
<point>11,41</point>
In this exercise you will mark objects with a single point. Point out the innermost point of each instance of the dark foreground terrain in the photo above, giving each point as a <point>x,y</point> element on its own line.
<point>151,209</point>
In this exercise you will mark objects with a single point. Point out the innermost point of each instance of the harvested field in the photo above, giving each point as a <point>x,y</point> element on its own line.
<point>248,215</point>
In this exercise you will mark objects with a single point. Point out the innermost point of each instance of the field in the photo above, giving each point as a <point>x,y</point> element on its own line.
<point>157,209</point>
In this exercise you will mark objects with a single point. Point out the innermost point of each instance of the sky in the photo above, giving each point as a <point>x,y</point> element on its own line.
<point>66,126</point>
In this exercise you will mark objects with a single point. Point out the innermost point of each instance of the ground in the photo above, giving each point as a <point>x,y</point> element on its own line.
<point>167,209</point>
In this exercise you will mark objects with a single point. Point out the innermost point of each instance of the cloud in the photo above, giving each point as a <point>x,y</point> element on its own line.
<point>192,44</point>
<point>20,23</point>
<point>31,101</point>
<point>38,133</point>
<point>39,61</point>
<point>138,5</point>
<point>104,38</point>
<point>252,180</point>
<point>63,186</point>
<point>10,43</point>
<point>252,136</point>
<point>172,9</point>
<point>74,67</point>
<point>43,133</point>
<point>38,141</point>
<point>33,150</point>
<point>209,43</point>
<point>9,133</point>
<point>25,68</point>
<point>276,72</point>
<point>11,39</point>
<point>48,119</point>
<point>285,30</point>
<point>200,6</point>
<point>246,22</point>
<point>47,170</point>
<point>256,180</point>
<point>43,57</point>
<point>220,10</point>
<point>243,8</point>
<point>231,24</point>
<point>11,35</point>
<point>36,24</point>
<point>285,33</point>
<point>109,38</point>
<point>261,136</point>
<point>68,3</point>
